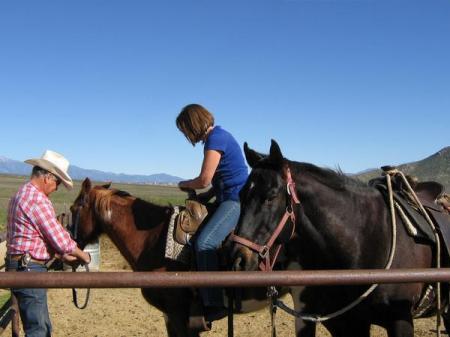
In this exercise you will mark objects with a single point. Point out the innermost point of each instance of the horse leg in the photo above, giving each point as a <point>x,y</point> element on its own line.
<point>175,329</point>
<point>302,328</point>
<point>446,318</point>
<point>175,306</point>
<point>401,324</point>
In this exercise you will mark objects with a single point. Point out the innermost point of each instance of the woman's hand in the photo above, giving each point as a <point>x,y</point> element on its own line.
<point>182,185</point>
<point>191,192</point>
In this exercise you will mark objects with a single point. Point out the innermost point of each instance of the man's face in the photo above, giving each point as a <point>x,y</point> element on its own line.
<point>51,183</point>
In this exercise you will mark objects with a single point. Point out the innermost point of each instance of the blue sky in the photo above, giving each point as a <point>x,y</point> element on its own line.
<point>350,83</point>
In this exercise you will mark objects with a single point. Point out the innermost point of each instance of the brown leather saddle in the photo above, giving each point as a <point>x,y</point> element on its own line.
<point>189,220</point>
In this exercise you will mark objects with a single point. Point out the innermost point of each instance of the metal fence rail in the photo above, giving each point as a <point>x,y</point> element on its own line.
<point>219,279</point>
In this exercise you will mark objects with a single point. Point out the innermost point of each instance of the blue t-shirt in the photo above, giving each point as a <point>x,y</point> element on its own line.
<point>232,173</point>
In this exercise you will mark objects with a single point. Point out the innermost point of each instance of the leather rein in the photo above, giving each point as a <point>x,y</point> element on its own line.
<point>266,263</point>
<point>74,233</point>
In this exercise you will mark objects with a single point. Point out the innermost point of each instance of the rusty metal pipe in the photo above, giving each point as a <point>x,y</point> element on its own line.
<point>219,279</point>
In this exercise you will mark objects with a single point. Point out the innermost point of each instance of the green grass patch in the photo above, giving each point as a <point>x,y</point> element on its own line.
<point>4,297</point>
<point>63,199</point>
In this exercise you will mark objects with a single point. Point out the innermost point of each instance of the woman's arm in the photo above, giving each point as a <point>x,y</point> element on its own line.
<point>209,166</point>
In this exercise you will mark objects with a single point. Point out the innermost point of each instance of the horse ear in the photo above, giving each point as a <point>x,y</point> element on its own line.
<point>86,186</point>
<point>275,156</point>
<point>107,185</point>
<point>252,156</point>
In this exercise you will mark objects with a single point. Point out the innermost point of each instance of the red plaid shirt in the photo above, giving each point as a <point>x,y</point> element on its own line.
<point>32,226</point>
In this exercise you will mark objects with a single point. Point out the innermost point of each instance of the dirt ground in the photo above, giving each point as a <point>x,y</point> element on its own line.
<point>124,313</point>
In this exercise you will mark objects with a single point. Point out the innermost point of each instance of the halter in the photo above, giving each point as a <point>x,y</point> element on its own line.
<point>266,264</point>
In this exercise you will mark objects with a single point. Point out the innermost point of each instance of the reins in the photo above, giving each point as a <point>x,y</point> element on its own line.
<point>74,232</point>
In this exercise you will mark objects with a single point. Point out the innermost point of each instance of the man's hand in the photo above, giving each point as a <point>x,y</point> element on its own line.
<point>86,258</point>
<point>70,260</point>
<point>80,257</point>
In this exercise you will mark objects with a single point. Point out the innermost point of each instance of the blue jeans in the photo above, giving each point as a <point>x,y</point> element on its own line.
<point>221,223</point>
<point>32,304</point>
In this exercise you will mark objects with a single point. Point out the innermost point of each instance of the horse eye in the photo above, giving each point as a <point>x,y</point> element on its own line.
<point>269,199</point>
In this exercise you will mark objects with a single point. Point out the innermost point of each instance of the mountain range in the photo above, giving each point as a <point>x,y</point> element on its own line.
<point>15,167</point>
<point>435,167</point>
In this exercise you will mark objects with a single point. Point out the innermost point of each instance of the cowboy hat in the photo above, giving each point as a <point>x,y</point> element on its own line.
<point>56,164</point>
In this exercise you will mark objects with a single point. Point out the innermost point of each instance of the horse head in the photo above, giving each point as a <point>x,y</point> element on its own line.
<point>265,200</point>
<point>85,228</point>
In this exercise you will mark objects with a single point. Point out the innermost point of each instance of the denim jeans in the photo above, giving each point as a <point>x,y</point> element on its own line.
<point>32,304</point>
<point>221,223</point>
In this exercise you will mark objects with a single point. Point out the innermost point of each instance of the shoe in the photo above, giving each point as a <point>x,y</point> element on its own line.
<point>215,313</point>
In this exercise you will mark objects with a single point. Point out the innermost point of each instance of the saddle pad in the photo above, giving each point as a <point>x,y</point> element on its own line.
<point>174,250</point>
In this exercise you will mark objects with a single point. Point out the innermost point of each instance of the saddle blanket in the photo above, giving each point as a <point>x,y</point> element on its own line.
<point>174,250</point>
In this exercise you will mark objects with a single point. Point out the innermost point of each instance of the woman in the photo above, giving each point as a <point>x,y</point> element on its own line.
<point>224,167</point>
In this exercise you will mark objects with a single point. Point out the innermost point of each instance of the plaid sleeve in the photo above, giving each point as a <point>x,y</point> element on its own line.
<point>53,232</point>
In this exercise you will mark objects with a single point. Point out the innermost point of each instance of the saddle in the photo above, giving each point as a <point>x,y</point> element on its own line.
<point>189,220</point>
<point>431,196</point>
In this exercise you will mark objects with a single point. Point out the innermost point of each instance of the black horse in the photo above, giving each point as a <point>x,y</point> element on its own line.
<point>339,223</point>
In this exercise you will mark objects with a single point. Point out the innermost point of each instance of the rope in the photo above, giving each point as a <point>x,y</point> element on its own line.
<point>438,247</point>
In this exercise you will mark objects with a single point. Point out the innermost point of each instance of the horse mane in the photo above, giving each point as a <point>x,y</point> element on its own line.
<point>335,179</point>
<point>102,200</point>
<point>146,214</point>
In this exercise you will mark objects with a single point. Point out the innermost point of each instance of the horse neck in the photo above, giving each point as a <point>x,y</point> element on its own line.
<point>136,228</point>
<point>335,221</point>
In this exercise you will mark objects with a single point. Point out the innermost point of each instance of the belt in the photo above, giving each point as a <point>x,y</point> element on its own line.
<point>18,257</point>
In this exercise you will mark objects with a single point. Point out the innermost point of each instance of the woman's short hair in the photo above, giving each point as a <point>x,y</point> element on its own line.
<point>194,121</point>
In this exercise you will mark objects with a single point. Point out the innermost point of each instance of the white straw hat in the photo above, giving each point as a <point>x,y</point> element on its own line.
<point>54,163</point>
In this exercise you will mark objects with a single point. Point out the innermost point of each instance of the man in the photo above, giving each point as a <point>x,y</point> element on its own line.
<point>34,236</point>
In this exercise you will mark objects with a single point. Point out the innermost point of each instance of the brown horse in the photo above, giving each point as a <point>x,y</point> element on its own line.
<point>139,230</point>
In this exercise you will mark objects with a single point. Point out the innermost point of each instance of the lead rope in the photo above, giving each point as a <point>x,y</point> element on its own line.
<point>317,318</point>
<point>438,246</point>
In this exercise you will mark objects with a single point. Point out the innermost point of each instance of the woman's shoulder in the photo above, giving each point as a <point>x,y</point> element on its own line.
<point>219,131</point>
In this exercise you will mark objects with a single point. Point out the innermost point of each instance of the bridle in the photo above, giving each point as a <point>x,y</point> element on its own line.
<point>266,263</point>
